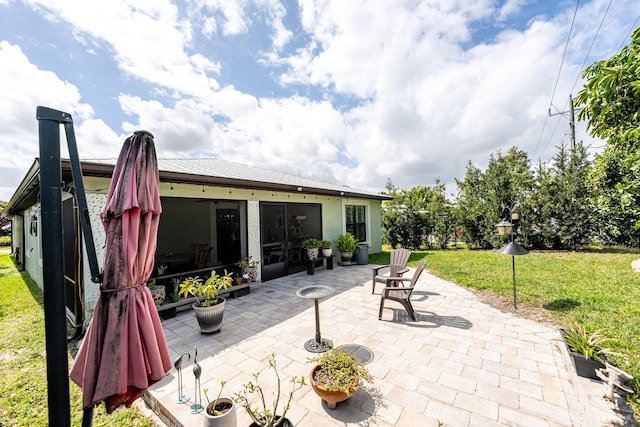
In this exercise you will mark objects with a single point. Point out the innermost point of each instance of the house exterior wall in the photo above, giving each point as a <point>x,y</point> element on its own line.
<point>375,221</point>
<point>17,238</point>
<point>96,192</point>
<point>333,223</point>
<point>32,251</point>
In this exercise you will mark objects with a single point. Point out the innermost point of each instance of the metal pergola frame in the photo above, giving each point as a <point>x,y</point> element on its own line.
<point>49,121</point>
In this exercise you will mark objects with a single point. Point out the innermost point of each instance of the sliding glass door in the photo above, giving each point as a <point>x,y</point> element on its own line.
<point>283,228</point>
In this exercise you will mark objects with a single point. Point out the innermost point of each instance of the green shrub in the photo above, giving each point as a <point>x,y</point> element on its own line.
<point>5,240</point>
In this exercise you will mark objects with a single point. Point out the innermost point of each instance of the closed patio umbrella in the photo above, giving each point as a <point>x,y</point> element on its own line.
<point>125,350</point>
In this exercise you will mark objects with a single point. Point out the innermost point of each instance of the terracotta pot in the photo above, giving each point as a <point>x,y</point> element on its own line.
<point>331,397</point>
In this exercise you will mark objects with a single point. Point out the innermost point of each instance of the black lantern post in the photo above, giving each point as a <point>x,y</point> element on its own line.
<point>505,227</point>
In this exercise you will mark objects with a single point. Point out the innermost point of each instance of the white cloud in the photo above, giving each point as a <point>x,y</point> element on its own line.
<point>406,91</point>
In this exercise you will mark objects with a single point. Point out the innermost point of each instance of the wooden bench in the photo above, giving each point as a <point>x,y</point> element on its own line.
<point>168,308</point>
<point>319,262</point>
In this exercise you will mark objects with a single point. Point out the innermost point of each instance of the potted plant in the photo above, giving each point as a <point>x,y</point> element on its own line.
<point>209,308</point>
<point>176,289</point>
<point>158,292</point>
<point>337,375</point>
<point>262,414</point>
<point>239,278</point>
<point>249,268</point>
<point>312,246</point>
<point>325,245</point>
<point>347,245</point>
<point>221,412</point>
<point>586,349</point>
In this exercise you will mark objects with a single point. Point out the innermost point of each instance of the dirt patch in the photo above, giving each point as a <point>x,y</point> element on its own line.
<point>537,314</point>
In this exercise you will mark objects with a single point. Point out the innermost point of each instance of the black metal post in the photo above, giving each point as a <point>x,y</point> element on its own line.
<point>318,338</point>
<point>85,223</point>
<point>513,267</point>
<point>52,266</point>
<point>52,261</point>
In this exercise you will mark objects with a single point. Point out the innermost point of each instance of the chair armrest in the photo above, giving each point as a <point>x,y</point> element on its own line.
<point>387,289</point>
<point>397,279</point>
<point>377,269</point>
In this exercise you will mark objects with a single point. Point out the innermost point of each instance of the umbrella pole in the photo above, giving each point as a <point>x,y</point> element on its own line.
<point>52,265</point>
<point>87,417</point>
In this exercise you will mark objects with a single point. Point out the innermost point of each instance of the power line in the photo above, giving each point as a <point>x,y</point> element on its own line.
<point>566,46</point>
<point>629,33</point>
<point>555,87</point>
<point>589,51</point>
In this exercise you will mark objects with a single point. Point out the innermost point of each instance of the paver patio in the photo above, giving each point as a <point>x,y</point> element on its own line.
<point>462,362</point>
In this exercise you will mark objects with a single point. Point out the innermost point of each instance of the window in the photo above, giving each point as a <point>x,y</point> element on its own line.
<point>356,221</point>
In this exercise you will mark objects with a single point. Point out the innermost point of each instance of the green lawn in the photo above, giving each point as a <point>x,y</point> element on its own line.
<point>23,372</point>
<point>596,289</point>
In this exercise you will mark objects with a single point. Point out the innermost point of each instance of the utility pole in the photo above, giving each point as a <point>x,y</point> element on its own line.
<point>572,123</point>
<point>572,120</point>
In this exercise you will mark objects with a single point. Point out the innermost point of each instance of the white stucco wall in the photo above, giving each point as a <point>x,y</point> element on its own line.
<point>95,202</point>
<point>32,251</point>
<point>97,189</point>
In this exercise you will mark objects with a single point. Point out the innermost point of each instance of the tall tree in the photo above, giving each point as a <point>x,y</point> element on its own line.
<point>571,198</point>
<point>483,197</point>
<point>411,218</point>
<point>611,105</point>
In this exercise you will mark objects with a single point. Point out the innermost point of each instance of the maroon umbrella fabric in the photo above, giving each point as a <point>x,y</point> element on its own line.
<point>125,350</point>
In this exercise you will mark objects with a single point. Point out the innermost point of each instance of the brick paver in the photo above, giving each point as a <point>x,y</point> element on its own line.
<point>462,362</point>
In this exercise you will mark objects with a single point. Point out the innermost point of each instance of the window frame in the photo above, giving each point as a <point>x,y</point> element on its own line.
<point>366,224</point>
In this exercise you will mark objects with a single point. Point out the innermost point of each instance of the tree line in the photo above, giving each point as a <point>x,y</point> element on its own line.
<point>562,204</point>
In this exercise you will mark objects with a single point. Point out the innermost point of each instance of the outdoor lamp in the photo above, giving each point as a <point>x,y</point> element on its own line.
<point>511,248</point>
<point>504,227</point>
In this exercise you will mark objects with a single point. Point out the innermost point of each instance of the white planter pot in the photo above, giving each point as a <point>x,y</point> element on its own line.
<point>228,419</point>
<point>251,272</point>
<point>326,252</point>
<point>159,294</point>
<point>313,253</point>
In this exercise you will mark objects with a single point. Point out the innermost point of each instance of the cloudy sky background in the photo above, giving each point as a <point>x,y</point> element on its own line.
<point>345,91</point>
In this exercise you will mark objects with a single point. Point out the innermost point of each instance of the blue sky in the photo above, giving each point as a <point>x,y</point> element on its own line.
<point>354,92</point>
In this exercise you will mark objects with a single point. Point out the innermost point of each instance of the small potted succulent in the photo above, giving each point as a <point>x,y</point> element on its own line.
<point>336,376</point>
<point>221,412</point>
<point>209,308</point>
<point>264,414</point>
<point>325,245</point>
<point>312,246</point>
